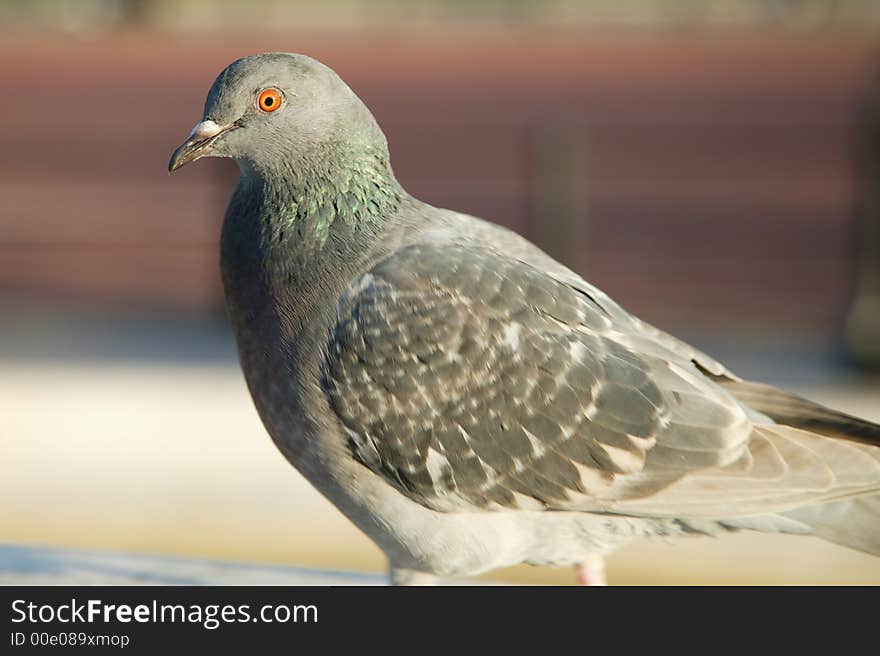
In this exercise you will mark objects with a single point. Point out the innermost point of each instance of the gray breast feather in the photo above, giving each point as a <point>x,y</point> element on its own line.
<point>472,380</point>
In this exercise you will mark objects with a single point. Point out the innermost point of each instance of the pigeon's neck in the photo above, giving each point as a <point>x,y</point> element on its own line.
<point>293,229</point>
<point>302,205</point>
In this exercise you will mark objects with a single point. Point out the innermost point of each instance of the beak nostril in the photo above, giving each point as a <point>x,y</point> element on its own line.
<point>204,130</point>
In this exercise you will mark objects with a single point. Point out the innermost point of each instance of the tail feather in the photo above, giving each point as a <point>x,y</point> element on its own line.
<point>853,523</point>
<point>791,410</point>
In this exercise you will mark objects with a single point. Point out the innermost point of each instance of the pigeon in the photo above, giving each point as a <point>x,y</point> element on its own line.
<point>465,400</point>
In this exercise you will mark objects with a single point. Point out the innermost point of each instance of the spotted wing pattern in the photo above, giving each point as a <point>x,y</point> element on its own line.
<point>473,380</point>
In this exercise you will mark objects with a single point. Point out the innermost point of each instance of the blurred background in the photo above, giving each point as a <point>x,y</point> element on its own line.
<point>713,165</point>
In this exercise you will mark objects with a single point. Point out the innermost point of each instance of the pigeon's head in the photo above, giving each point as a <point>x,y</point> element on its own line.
<point>275,109</point>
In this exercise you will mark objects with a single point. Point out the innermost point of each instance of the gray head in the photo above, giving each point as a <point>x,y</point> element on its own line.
<point>279,109</point>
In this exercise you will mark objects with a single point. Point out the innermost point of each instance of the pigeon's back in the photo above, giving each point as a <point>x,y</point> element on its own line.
<point>475,373</point>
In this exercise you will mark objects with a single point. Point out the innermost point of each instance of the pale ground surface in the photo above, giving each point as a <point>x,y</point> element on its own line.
<point>28,565</point>
<point>139,437</point>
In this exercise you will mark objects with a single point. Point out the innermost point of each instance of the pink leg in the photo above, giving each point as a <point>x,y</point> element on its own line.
<point>592,571</point>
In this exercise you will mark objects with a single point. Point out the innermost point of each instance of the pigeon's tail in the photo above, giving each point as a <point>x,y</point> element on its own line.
<point>853,523</point>
<point>790,410</point>
<point>850,521</point>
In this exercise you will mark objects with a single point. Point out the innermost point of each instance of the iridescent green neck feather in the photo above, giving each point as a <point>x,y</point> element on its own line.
<point>289,215</point>
<point>357,191</point>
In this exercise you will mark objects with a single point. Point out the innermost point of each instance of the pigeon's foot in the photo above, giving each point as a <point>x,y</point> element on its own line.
<point>592,571</point>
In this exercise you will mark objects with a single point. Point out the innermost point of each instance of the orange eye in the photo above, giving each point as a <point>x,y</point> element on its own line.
<point>269,100</point>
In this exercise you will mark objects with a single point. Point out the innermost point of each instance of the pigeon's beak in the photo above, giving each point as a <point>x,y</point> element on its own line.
<point>197,144</point>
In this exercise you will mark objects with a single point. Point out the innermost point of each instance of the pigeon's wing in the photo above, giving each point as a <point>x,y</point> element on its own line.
<point>471,379</point>
<point>631,331</point>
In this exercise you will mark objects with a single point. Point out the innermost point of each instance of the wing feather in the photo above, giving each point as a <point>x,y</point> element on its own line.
<point>471,379</point>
